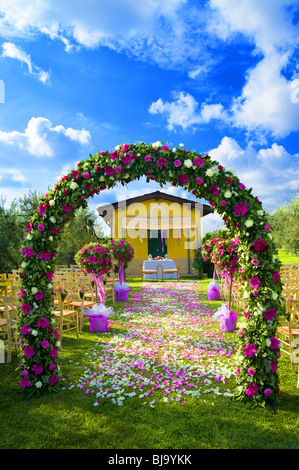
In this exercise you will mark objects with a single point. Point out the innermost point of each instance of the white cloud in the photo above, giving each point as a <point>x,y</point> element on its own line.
<point>13,173</point>
<point>38,137</point>
<point>15,52</point>
<point>183,111</point>
<point>272,173</point>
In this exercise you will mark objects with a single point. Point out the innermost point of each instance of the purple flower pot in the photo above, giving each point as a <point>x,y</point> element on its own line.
<point>213,294</point>
<point>98,323</point>
<point>228,323</point>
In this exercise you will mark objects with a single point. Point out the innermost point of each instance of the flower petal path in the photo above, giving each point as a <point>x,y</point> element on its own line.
<point>163,344</point>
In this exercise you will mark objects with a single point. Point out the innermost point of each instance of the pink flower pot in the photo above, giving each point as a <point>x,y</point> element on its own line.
<point>98,323</point>
<point>213,294</point>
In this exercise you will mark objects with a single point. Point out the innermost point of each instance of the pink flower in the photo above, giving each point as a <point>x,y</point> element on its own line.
<point>241,208</point>
<point>274,343</point>
<point>41,227</point>
<point>53,380</point>
<point>147,158</point>
<point>255,292</point>
<point>223,203</point>
<point>273,367</point>
<point>165,147</point>
<point>125,147</point>
<point>254,282</point>
<point>74,174</point>
<point>25,329</point>
<point>50,276</point>
<point>37,369</point>
<point>28,252</point>
<point>25,308</point>
<point>199,181</point>
<point>255,262</point>
<point>241,186</point>
<point>259,245</point>
<point>275,276</point>
<point>267,392</point>
<point>52,366</point>
<point>251,371</point>
<point>53,353</point>
<point>270,314</point>
<point>39,295</point>
<point>92,259</point>
<point>183,179</point>
<point>67,207</point>
<point>267,227</point>
<point>25,383</point>
<point>127,158</point>
<point>41,209</point>
<point>45,344</point>
<point>118,169</point>
<point>198,161</point>
<point>85,175</point>
<point>161,162</point>
<point>249,350</point>
<point>177,163</point>
<point>28,351</point>
<point>42,322</point>
<point>251,389</point>
<point>109,170</point>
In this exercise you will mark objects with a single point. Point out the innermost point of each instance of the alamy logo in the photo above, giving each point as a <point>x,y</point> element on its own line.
<point>2,92</point>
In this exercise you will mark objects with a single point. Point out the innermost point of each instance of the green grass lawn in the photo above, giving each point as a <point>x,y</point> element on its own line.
<point>68,419</point>
<point>286,258</point>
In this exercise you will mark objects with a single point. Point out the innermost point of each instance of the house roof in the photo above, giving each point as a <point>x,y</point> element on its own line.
<point>103,210</point>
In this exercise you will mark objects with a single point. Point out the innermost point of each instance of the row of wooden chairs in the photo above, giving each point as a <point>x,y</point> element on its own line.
<point>74,291</point>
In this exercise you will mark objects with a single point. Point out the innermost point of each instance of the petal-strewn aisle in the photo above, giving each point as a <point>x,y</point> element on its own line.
<point>162,345</point>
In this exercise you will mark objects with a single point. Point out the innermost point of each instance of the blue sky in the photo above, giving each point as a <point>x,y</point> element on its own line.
<point>219,76</point>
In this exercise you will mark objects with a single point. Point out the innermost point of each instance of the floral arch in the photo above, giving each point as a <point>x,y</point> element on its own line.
<point>258,348</point>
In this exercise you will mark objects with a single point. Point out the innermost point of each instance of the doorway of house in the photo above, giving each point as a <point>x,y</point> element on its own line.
<point>157,244</point>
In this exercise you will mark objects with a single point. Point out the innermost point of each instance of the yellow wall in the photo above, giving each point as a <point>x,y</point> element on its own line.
<point>177,241</point>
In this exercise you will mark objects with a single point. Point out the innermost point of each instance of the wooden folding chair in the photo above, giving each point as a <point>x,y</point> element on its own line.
<point>150,271</point>
<point>8,325</point>
<point>288,332</point>
<point>67,318</point>
<point>171,271</point>
<point>75,300</point>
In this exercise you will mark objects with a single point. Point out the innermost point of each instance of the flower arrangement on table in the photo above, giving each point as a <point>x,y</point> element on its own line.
<point>96,259</point>
<point>157,258</point>
<point>122,252</point>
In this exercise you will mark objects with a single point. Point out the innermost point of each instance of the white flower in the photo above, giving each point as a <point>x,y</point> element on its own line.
<point>227,194</point>
<point>57,344</point>
<point>53,219</point>
<point>174,149</point>
<point>29,236</point>
<point>117,147</point>
<point>268,342</point>
<point>34,290</point>
<point>50,238</point>
<point>181,145</point>
<point>39,384</point>
<point>34,332</point>
<point>102,178</point>
<point>52,202</point>
<point>274,295</point>
<point>249,223</point>
<point>127,176</point>
<point>53,321</point>
<point>270,236</point>
<point>260,212</point>
<point>74,185</point>
<point>24,264</point>
<point>188,163</point>
<point>50,285</point>
<point>209,172</point>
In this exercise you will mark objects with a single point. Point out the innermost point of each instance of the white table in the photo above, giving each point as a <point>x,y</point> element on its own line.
<point>166,263</point>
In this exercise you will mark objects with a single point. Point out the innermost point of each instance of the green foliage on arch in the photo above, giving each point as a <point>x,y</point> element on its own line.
<point>243,214</point>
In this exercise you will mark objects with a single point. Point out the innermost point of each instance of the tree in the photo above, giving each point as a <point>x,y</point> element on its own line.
<point>81,229</point>
<point>10,236</point>
<point>285,226</point>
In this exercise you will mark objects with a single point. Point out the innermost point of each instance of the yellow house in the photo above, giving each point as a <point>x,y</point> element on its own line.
<point>157,224</point>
